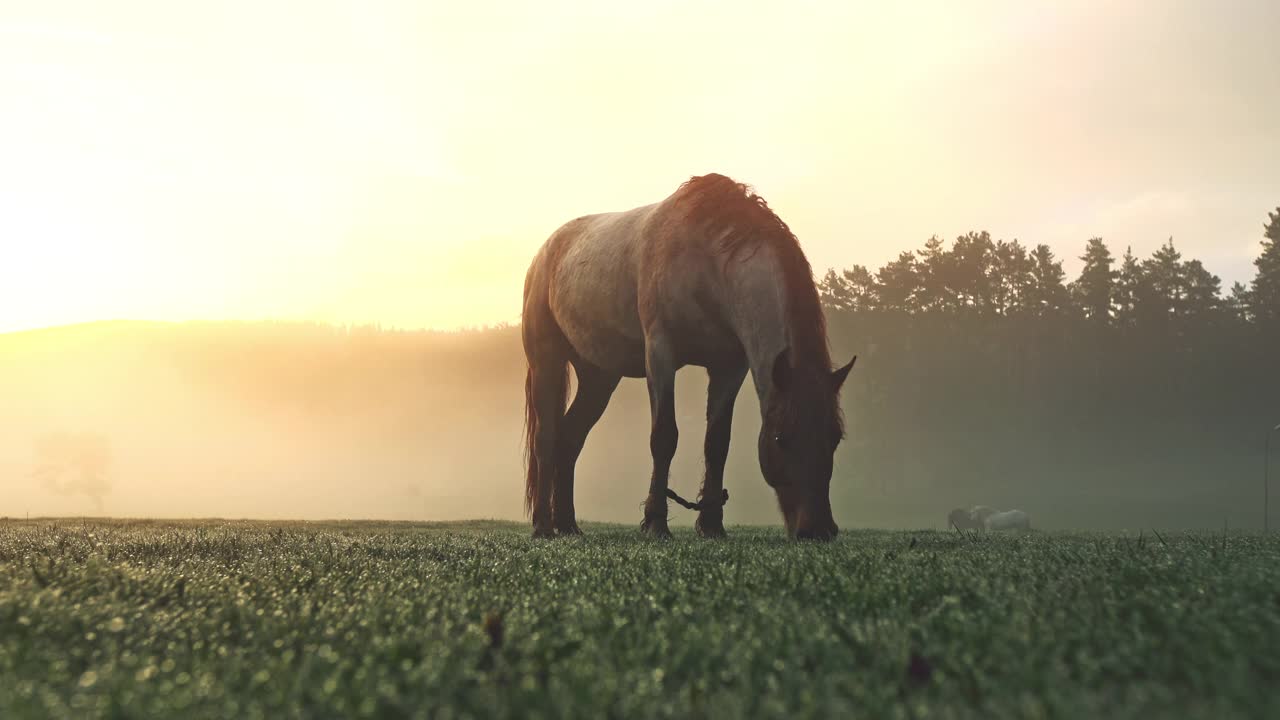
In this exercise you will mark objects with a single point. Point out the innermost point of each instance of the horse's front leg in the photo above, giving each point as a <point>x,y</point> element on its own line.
<point>722,392</point>
<point>660,374</point>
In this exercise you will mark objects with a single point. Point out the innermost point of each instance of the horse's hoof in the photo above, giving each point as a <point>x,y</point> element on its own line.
<point>710,530</point>
<point>568,529</point>
<point>656,529</point>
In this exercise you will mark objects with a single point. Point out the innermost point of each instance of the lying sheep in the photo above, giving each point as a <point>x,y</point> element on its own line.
<point>962,520</point>
<point>972,519</point>
<point>1008,520</point>
<point>981,513</point>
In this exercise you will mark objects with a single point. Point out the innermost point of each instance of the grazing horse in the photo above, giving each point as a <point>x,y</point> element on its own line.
<point>710,276</point>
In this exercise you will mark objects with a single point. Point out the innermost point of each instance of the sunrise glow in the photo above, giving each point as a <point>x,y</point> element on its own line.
<point>400,163</point>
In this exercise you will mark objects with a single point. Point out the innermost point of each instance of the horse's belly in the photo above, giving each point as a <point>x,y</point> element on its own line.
<point>607,347</point>
<point>594,303</point>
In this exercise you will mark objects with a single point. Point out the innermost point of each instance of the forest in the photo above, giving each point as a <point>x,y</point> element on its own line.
<point>1140,381</point>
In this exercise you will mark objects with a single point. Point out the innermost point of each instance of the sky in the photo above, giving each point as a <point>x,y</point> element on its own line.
<point>400,163</point>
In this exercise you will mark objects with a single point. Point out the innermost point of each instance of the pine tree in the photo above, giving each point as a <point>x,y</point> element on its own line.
<point>853,289</point>
<point>933,270</point>
<point>1237,304</point>
<point>972,267</point>
<point>862,285</point>
<point>899,283</point>
<point>1162,292</point>
<point>1264,291</point>
<point>1012,273</point>
<point>1094,289</point>
<point>1202,290</point>
<point>1047,293</point>
<point>834,292</point>
<point>1128,281</point>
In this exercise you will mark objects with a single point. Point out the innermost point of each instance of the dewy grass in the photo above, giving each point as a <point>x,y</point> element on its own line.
<point>279,620</point>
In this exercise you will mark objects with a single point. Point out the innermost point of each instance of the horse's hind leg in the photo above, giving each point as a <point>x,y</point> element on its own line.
<point>595,387</point>
<point>722,392</point>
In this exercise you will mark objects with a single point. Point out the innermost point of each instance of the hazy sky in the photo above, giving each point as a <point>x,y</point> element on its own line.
<point>400,162</point>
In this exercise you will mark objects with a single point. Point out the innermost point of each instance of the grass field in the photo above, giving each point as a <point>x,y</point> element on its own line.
<point>262,620</point>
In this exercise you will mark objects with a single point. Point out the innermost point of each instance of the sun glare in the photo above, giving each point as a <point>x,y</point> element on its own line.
<point>401,164</point>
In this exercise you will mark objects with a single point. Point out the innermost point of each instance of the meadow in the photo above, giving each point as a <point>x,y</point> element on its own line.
<point>451,620</point>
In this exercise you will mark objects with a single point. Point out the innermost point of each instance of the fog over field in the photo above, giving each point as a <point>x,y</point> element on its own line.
<point>287,421</point>
<point>402,162</point>
<point>272,420</point>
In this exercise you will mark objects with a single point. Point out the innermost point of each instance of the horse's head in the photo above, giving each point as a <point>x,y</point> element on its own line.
<point>798,440</point>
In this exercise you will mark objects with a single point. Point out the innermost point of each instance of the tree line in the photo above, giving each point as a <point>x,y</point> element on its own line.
<point>980,276</point>
<point>989,371</point>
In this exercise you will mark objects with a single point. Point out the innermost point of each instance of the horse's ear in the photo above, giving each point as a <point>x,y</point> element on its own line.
<point>838,375</point>
<point>781,371</point>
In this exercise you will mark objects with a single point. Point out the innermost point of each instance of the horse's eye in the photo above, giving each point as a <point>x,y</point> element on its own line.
<point>780,441</point>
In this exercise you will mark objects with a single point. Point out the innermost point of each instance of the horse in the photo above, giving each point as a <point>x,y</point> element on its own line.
<point>711,277</point>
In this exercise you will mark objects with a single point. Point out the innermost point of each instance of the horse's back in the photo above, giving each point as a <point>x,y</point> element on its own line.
<point>614,282</point>
<point>590,285</point>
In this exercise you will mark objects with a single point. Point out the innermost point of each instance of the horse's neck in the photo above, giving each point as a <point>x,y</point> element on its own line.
<point>758,306</point>
<point>761,364</point>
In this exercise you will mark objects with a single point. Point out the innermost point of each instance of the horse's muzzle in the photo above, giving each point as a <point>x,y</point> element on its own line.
<point>820,532</point>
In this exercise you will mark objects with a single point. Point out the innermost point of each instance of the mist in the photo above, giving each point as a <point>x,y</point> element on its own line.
<point>308,421</point>
<point>304,421</point>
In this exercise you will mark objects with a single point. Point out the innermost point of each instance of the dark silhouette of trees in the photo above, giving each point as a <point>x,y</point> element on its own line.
<point>852,289</point>
<point>970,283</point>
<point>1237,303</point>
<point>1160,288</point>
<point>1094,291</point>
<point>1128,280</point>
<point>1012,269</point>
<point>1264,292</point>
<point>1202,292</point>
<point>898,285</point>
<point>980,277</point>
<point>984,366</point>
<point>1047,294</point>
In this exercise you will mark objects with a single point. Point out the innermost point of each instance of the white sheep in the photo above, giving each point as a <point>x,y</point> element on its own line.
<point>972,519</point>
<point>1008,520</point>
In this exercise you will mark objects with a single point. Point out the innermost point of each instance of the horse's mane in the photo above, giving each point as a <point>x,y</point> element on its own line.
<point>738,220</point>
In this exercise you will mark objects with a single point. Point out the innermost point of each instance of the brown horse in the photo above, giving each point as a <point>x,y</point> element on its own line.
<point>711,277</point>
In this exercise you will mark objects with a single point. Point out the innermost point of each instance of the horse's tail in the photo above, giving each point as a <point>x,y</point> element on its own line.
<point>530,432</point>
<point>532,471</point>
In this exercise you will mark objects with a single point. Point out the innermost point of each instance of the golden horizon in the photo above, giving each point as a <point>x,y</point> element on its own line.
<point>401,164</point>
